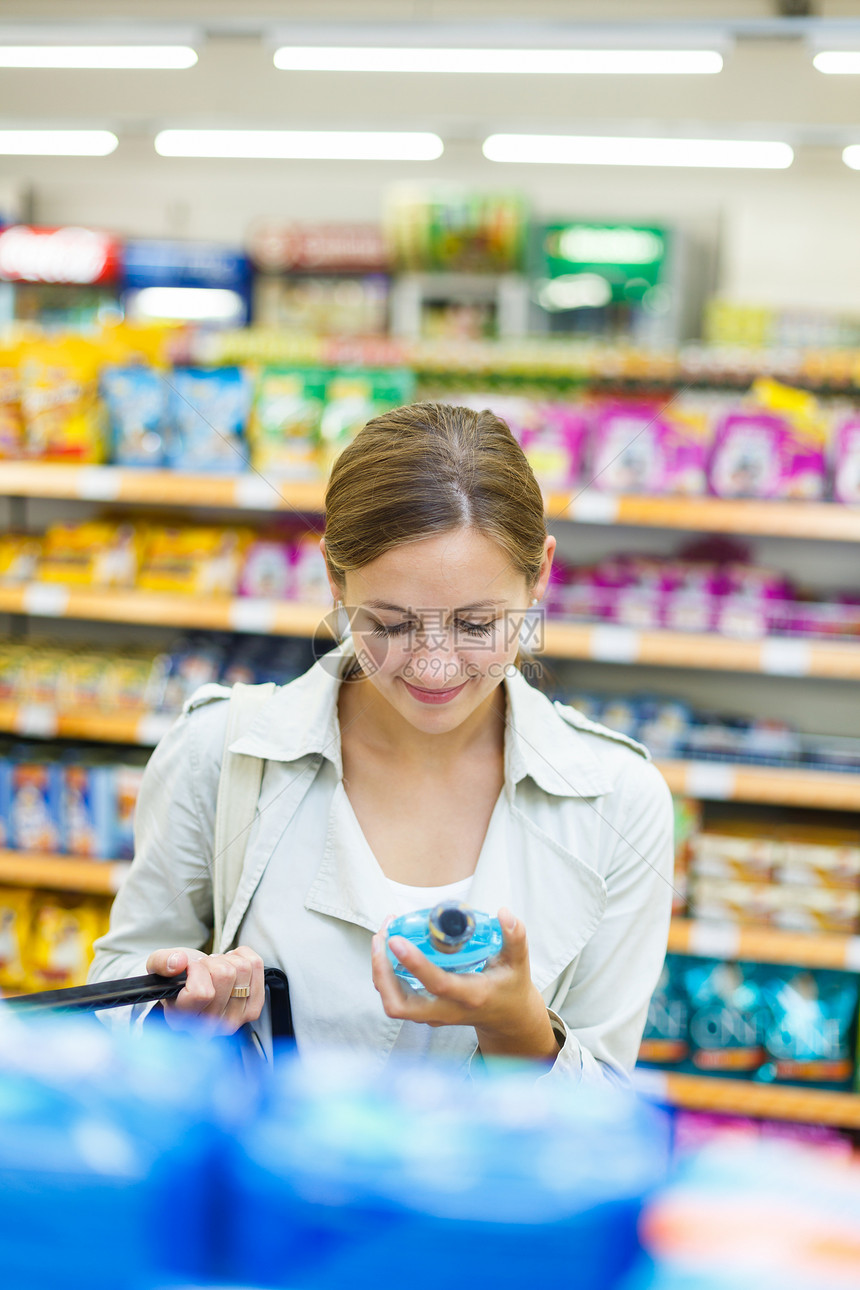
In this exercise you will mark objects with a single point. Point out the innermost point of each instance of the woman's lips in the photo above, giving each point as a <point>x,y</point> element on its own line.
<point>434,696</point>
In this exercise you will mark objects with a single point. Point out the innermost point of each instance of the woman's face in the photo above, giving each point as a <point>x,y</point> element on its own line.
<point>436,622</point>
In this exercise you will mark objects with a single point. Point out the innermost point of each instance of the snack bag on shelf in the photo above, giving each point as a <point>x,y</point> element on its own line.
<point>732,853</point>
<point>728,1016</point>
<point>846,462</point>
<point>688,821</point>
<point>80,680</point>
<point>127,682</point>
<point>194,662</point>
<point>555,446</point>
<point>19,557</point>
<point>310,584</point>
<point>64,416</point>
<point>61,946</point>
<point>665,1042</point>
<point>35,794</point>
<point>209,412</point>
<point>96,553</point>
<point>811,1026</point>
<point>127,780</point>
<point>12,438</point>
<point>816,909</point>
<point>138,404</point>
<point>194,560</point>
<point>13,662</point>
<point>819,856</point>
<point>88,810</point>
<point>639,448</point>
<point>284,429</point>
<point>40,677</point>
<point>16,912</point>
<point>774,448</point>
<point>354,398</point>
<point>268,570</point>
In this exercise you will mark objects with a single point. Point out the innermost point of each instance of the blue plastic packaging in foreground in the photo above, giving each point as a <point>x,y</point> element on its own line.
<point>356,1172</point>
<point>451,935</point>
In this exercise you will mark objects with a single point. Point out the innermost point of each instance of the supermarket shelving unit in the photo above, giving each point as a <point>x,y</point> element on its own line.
<point>703,779</point>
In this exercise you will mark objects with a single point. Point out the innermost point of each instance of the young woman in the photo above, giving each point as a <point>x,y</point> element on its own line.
<point>414,763</point>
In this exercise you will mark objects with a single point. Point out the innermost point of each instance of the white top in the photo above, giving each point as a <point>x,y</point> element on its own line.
<point>580,848</point>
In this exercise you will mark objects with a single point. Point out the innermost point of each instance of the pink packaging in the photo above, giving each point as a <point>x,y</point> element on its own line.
<point>637,448</point>
<point>846,462</point>
<point>763,454</point>
<point>267,571</point>
<point>555,446</point>
<point>310,584</point>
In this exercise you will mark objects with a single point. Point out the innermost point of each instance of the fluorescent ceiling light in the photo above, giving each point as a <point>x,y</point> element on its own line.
<point>324,58</point>
<point>195,304</point>
<point>124,57</point>
<point>842,62</point>
<point>322,145</point>
<point>582,150</point>
<point>57,143</point>
<point>851,156</point>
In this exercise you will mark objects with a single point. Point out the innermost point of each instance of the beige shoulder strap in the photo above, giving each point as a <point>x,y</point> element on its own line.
<point>236,807</point>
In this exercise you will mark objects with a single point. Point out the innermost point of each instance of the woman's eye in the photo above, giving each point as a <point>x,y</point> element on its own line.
<point>379,629</point>
<point>475,629</point>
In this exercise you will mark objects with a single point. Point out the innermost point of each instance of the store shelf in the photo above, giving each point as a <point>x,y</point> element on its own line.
<point>763,945</point>
<point>62,873</point>
<point>209,613</point>
<point>776,655</point>
<point>825,521</point>
<point>732,782</point>
<point>742,1097</point>
<point>42,721</point>
<point>158,487</point>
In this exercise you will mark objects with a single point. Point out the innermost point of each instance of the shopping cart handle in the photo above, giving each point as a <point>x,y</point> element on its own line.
<point>101,994</point>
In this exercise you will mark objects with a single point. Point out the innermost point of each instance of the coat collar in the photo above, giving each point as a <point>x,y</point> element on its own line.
<point>301,719</point>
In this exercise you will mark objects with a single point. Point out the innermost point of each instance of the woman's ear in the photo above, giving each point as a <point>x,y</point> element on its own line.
<point>546,565</point>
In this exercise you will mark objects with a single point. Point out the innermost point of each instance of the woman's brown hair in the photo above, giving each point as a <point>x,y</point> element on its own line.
<point>425,469</point>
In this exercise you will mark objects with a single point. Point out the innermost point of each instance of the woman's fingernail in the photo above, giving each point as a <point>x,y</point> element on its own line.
<point>507,919</point>
<point>172,962</point>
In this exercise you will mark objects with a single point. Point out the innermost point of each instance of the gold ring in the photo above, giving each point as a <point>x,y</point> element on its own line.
<point>240,992</point>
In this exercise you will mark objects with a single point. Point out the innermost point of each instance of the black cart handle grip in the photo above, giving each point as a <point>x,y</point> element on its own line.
<point>101,994</point>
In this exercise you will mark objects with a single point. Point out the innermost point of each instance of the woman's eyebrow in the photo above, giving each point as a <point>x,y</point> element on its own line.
<point>398,609</point>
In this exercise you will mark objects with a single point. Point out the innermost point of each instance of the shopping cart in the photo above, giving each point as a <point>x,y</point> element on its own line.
<point>277,1017</point>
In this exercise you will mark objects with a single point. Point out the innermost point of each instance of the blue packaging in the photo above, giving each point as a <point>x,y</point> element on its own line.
<point>209,411</point>
<point>811,1026</point>
<point>666,1041</point>
<point>727,1017</point>
<point>35,804</point>
<point>88,810</point>
<point>137,402</point>
<point>126,789</point>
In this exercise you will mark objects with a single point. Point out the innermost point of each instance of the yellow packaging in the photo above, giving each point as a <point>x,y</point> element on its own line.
<point>12,441</point>
<point>15,916</point>
<point>12,663</point>
<point>19,555</point>
<point>97,553</point>
<point>732,857</point>
<point>64,416</point>
<point>194,561</point>
<point>716,901</point>
<point>61,946</point>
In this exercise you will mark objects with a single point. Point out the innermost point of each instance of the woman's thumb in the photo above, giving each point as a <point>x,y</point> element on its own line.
<point>167,962</point>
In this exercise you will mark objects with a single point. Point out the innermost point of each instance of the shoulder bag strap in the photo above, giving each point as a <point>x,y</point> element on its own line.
<point>236,807</point>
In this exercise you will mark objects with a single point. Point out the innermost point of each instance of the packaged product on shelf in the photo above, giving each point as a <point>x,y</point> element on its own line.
<point>714,900</point>
<point>818,856</point>
<point>773,448</point>
<point>354,398</point>
<point>736,853</point>
<point>12,438</point>
<point>88,812</point>
<point>193,662</point>
<point>310,584</point>
<point>61,945</point>
<point>35,797</point>
<point>810,1028</point>
<point>268,569</point>
<point>95,553</point>
<point>727,1017</point>
<point>127,682</point>
<point>19,557</point>
<point>64,416</point>
<point>687,821</point>
<point>643,448</point>
<point>194,560</point>
<point>555,445</point>
<point>284,427</point>
<point>819,910</point>
<point>846,462</point>
<point>12,666</point>
<point>127,781</point>
<point>39,678</point>
<point>209,412</point>
<point>16,913</point>
<point>138,405</point>
<point>665,1041</point>
<point>5,795</point>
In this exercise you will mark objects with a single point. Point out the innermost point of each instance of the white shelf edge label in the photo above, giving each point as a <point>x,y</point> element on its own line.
<point>45,600</point>
<point>786,657</point>
<point>99,483</point>
<point>256,494</point>
<point>712,780</point>
<point>611,644</point>
<point>252,615</point>
<point>715,940</point>
<point>37,719</point>
<point>593,507</point>
<point>852,954</point>
<point>153,727</point>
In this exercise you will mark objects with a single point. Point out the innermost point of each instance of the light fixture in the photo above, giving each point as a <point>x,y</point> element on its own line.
<point>357,58</point>
<point>322,145</point>
<point>57,143</point>
<point>122,57</point>
<point>838,62</point>
<point>592,150</point>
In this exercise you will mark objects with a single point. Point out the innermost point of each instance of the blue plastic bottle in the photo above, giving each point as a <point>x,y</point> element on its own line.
<point>451,935</point>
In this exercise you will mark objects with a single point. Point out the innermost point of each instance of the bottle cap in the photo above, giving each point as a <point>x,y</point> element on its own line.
<point>451,925</point>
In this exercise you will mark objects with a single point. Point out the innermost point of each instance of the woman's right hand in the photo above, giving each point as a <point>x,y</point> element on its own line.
<point>210,981</point>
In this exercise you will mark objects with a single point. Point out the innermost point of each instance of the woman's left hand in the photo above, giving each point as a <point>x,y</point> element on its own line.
<point>502,1002</point>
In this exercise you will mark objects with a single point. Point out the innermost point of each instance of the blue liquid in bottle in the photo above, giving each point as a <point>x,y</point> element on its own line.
<point>451,935</point>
